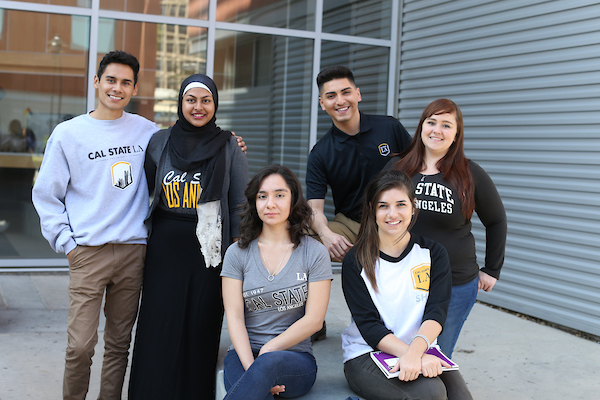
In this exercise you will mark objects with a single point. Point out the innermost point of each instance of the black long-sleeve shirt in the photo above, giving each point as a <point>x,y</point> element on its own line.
<point>440,218</point>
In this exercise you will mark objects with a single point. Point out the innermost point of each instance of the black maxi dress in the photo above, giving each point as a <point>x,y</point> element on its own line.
<point>181,311</point>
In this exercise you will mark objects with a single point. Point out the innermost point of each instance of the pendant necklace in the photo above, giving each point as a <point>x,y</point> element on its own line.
<point>272,274</point>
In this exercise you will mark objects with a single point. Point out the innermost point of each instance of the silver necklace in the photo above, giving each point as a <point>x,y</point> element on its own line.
<point>272,274</point>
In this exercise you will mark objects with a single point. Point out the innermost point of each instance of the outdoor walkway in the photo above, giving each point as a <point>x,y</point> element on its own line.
<point>501,356</point>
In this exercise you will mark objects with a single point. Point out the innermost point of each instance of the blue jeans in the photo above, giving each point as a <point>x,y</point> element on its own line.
<point>461,303</point>
<point>296,370</point>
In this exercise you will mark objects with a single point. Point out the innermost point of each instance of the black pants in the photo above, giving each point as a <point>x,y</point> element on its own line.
<point>367,380</point>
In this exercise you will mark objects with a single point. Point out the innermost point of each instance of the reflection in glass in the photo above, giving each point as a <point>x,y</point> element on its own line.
<point>176,53</point>
<point>170,8</point>
<point>367,18</point>
<point>71,3</point>
<point>42,82</point>
<point>265,87</point>
<point>291,14</point>
<point>369,64</point>
<point>43,77</point>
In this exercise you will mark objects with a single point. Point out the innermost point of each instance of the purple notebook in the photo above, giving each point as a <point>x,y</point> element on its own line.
<point>386,361</point>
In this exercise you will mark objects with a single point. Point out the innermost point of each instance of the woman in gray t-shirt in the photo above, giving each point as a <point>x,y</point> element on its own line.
<point>276,283</point>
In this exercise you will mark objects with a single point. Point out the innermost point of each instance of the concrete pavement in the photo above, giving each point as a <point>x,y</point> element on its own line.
<point>501,356</point>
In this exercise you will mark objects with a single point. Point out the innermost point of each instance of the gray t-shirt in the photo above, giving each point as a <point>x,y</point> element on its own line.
<point>271,307</point>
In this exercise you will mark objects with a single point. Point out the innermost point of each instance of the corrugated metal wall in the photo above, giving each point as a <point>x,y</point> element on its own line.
<point>526,74</point>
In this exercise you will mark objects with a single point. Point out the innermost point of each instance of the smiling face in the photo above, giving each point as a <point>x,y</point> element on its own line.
<point>339,98</point>
<point>438,133</point>
<point>115,88</point>
<point>274,201</point>
<point>198,106</point>
<point>393,213</point>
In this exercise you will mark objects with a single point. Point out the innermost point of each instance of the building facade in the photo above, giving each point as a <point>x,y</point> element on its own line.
<point>526,74</point>
<point>263,55</point>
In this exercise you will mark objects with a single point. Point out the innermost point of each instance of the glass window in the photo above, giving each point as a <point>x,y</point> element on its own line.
<point>172,8</point>
<point>265,87</point>
<point>71,3</point>
<point>162,66</point>
<point>291,14</point>
<point>368,18</point>
<point>43,81</point>
<point>369,64</point>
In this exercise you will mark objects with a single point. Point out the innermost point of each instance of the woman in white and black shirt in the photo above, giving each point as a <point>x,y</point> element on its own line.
<point>397,286</point>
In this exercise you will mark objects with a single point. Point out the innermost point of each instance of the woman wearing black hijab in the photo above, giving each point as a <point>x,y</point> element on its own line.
<point>198,176</point>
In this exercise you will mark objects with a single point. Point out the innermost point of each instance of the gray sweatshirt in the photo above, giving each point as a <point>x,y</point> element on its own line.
<point>91,188</point>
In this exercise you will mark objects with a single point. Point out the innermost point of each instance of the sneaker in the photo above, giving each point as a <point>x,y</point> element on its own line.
<point>320,335</point>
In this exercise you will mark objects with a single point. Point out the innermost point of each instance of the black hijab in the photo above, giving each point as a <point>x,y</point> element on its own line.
<point>192,148</point>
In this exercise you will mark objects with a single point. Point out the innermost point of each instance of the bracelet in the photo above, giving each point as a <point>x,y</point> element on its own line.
<point>424,338</point>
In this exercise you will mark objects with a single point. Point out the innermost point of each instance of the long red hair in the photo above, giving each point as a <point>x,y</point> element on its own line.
<point>454,165</point>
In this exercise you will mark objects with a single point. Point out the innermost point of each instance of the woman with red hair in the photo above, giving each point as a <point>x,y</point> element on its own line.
<point>448,188</point>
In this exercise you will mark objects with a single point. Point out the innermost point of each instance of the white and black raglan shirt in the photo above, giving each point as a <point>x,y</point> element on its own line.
<point>412,288</point>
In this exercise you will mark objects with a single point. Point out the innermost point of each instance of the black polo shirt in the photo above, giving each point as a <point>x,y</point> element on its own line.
<point>348,163</point>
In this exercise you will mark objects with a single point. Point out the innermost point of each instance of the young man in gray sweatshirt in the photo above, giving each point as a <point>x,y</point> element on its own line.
<point>92,199</point>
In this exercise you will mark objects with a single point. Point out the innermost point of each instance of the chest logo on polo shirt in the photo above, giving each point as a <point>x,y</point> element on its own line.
<point>384,149</point>
<point>122,175</point>
<point>421,277</point>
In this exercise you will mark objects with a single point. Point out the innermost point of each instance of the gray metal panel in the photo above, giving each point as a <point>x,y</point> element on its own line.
<point>525,74</point>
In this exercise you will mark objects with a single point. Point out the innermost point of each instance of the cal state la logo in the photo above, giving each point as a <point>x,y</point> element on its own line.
<point>122,175</point>
<point>421,277</point>
<point>384,149</point>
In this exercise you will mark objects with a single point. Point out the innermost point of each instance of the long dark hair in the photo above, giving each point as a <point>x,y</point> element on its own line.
<point>300,212</point>
<point>367,242</point>
<point>454,165</point>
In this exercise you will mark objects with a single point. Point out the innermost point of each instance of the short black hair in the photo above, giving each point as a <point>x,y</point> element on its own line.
<point>119,57</point>
<point>331,73</point>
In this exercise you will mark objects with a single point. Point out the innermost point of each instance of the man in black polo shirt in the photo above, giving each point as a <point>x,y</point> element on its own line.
<point>350,154</point>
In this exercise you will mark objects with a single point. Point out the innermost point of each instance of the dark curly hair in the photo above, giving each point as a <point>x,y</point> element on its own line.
<point>300,212</point>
